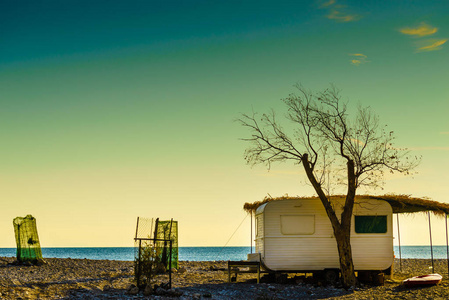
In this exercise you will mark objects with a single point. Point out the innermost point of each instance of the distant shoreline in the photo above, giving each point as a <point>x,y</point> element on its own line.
<point>77,247</point>
<point>210,253</point>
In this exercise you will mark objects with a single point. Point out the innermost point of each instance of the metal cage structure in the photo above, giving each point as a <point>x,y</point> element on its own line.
<point>27,239</point>
<point>156,249</point>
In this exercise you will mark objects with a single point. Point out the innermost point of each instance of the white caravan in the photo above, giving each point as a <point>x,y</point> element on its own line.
<point>295,235</point>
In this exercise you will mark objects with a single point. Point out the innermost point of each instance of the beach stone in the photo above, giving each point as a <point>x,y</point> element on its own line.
<point>196,296</point>
<point>148,290</point>
<point>174,293</point>
<point>214,268</point>
<point>165,285</point>
<point>160,291</point>
<point>182,270</point>
<point>207,295</point>
<point>132,289</point>
<point>96,291</point>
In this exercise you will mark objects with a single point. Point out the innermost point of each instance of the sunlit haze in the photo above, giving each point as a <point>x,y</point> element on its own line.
<point>116,109</point>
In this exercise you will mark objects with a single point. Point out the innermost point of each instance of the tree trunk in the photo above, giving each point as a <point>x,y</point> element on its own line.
<point>342,228</point>
<point>345,254</point>
<point>343,234</point>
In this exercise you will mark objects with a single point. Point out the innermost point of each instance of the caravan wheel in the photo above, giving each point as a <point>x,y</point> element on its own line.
<point>331,275</point>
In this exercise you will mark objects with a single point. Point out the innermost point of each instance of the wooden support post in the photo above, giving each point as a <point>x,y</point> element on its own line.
<point>447,247</point>
<point>251,241</point>
<point>399,240</point>
<point>258,273</point>
<point>431,248</point>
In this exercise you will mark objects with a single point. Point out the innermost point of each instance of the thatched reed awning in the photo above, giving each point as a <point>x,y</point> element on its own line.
<point>400,203</point>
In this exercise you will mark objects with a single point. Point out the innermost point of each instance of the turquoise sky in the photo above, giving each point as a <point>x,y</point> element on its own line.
<point>112,110</point>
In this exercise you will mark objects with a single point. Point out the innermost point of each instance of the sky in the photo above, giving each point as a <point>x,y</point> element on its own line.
<point>112,110</point>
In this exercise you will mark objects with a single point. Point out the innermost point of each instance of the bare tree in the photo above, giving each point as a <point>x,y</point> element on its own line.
<point>324,136</point>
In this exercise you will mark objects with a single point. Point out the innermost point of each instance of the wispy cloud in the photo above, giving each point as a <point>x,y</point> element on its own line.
<point>273,173</point>
<point>356,62</point>
<point>338,12</point>
<point>340,16</point>
<point>422,30</point>
<point>328,3</point>
<point>358,59</point>
<point>431,45</point>
<point>430,148</point>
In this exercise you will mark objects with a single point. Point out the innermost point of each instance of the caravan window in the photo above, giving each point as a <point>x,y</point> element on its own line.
<point>370,224</point>
<point>297,224</point>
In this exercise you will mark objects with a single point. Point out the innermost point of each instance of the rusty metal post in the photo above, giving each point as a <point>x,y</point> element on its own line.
<point>170,262</point>
<point>137,227</point>
<point>139,263</point>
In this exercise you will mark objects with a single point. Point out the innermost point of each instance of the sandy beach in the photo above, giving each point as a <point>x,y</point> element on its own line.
<point>105,279</point>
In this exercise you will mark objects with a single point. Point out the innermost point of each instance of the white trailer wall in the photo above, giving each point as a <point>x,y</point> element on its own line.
<point>296,234</point>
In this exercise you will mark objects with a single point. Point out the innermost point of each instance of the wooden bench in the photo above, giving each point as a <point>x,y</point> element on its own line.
<point>233,267</point>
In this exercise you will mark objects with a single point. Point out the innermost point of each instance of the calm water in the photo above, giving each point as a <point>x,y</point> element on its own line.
<point>199,253</point>
<point>127,253</point>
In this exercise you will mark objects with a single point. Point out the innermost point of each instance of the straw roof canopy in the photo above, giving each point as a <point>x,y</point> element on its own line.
<point>400,203</point>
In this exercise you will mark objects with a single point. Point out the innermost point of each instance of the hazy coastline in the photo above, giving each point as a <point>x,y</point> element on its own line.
<point>199,253</point>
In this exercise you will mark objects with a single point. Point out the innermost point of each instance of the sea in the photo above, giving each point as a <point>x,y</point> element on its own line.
<point>201,253</point>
